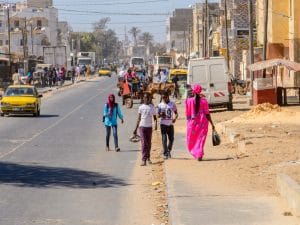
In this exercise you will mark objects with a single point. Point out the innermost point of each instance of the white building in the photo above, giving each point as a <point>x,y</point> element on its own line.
<point>33,25</point>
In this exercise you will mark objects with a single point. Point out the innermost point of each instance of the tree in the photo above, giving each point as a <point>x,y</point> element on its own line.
<point>101,24</point>
<point>134,31</point>
<point>146,38</point>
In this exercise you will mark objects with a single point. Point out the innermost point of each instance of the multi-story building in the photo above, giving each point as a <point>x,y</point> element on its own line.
<point>179,31</point>
<point>238,30</point>
<point>283,35</point>
<point>33,26</point>
<point>199,26</point>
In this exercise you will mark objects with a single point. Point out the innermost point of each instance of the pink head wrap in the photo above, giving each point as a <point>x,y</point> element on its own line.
<point>197,89</point>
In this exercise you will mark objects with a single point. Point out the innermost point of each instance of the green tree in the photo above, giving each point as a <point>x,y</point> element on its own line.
<point>134,31</point>
<point>146,38</point>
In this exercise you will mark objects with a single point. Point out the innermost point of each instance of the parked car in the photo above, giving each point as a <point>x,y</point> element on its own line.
<point>21,99</point>
<point>105,71</point>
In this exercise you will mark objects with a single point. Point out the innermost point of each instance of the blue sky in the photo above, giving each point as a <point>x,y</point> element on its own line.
<point>155,24</point>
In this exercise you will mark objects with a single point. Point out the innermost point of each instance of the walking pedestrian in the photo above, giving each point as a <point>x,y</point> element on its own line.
<point>144,123</point>
<point>198,116</point>
<point>16,78</point>
<point>166,111</point>
<point>111,112</point>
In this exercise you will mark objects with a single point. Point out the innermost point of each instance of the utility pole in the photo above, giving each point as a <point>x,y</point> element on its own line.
<point>206,29</point>
<point>31,36</point>
<point>266,19</point>
<point>226,33</point>
<point>25,47</point>
<point>198,36</point>
<point>251,48</point>
<point>189,40</point>
<point>203,33</point>
<point>9,50</point>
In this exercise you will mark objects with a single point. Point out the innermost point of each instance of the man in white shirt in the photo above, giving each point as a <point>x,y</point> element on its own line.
<point>163,77</point>
<point>144,122</point>
<point>16,78</point>
<point>166,111</point>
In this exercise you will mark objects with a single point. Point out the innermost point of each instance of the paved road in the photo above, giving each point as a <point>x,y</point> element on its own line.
<point>54,169</point>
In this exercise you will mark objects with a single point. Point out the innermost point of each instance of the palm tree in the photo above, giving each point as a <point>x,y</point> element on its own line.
<point>134,31</point>
<point>146,38</point>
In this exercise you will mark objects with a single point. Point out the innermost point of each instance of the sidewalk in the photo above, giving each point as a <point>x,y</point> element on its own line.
<point>66,84</point>
<point>198,194</point>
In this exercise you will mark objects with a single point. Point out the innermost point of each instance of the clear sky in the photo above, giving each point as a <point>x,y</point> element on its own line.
<point>78,14</point>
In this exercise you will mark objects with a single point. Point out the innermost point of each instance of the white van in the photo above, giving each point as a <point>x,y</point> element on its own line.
<point>212,74</point>
<point>137,62</point>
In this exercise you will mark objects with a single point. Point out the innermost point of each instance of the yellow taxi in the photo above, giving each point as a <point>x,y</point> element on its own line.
<point>180,73</point>
<point>105,71</point>
<point>21,99</point>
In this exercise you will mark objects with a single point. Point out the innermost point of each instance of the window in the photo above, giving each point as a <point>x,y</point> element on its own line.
<point>21,42</point>
<point>1,43</point>
<point>17,23</point>
<point>39,24</point>
<point>6,42</point>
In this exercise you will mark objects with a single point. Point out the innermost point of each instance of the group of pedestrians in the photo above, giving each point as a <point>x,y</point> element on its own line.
<point>147,116</point>
<point>197,115</point>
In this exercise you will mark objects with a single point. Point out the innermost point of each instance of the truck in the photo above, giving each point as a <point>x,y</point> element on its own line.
<point>57,56</point>
<point>137,62</point>
<point>212,74</point>
<point>162,62</point>
<point>86,58</point>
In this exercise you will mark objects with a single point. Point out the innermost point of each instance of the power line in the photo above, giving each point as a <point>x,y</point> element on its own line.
<point>122,23</point>
<point>111,3</point>
<point>113,13</point>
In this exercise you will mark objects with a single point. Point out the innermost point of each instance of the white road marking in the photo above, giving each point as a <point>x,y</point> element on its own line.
<point>53,125</point>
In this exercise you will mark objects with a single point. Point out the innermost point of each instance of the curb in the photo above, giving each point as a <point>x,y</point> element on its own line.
<point>290,190</point>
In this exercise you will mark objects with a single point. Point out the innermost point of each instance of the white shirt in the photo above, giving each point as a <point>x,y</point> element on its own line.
<point>169,109</point>
<point>121,73</point>
<point>163,77</point>
<point>147,112</point>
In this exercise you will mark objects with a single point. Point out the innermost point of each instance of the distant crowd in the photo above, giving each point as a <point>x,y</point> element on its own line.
<point>50,76</point>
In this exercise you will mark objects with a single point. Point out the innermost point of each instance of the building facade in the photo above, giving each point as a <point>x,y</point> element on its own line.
<point>179,31</point>
<point>283,35</point>
<point>33,26</point>
<point>199,12</point>
<point>238,31</point>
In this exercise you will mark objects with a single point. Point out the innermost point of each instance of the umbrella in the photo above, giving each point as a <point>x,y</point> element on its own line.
<point>290,65</point>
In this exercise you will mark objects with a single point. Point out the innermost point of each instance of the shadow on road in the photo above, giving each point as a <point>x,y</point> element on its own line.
<point>205,159</point>
<point>54,177</point>
<point>30,116</point>
<point>225,110</point>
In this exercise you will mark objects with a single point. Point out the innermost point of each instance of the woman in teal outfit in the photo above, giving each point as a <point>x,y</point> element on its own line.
<point>111,113</point>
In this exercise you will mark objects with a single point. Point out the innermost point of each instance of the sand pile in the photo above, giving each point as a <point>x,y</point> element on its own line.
<point>264,108</point>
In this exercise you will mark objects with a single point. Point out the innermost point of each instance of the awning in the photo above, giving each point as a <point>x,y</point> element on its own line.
<point>290,65</point>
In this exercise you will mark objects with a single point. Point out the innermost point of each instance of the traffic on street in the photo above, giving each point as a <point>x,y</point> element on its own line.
<point>154,112</point>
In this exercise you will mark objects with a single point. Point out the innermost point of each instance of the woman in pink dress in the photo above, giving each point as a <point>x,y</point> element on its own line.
<point>198,116</point>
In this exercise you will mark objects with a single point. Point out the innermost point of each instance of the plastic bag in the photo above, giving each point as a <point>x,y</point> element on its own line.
<point>216,138</point>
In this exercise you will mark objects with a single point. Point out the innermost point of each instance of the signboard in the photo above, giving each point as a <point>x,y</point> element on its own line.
<point>242,33</point>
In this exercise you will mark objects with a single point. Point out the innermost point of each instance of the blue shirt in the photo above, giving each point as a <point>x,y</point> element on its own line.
<point>111,120</point>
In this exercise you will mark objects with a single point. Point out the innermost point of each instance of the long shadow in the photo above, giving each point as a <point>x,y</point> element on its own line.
<point>225,110</point>
<point>220,159</point>
<point>55,177</point>
<point>205,159</point>
<point>29,115</point>
<point>134,150</point>
<point>48,116</point>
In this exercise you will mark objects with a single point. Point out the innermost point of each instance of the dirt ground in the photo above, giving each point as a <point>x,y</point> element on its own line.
<point>271,146</point>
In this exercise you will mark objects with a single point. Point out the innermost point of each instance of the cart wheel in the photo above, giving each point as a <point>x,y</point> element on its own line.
<point>129,103</point>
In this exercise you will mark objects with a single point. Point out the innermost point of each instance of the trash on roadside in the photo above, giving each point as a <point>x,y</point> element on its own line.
<point>157,183</point>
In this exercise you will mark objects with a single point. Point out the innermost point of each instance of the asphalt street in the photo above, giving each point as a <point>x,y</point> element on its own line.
<point>54,169</point>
